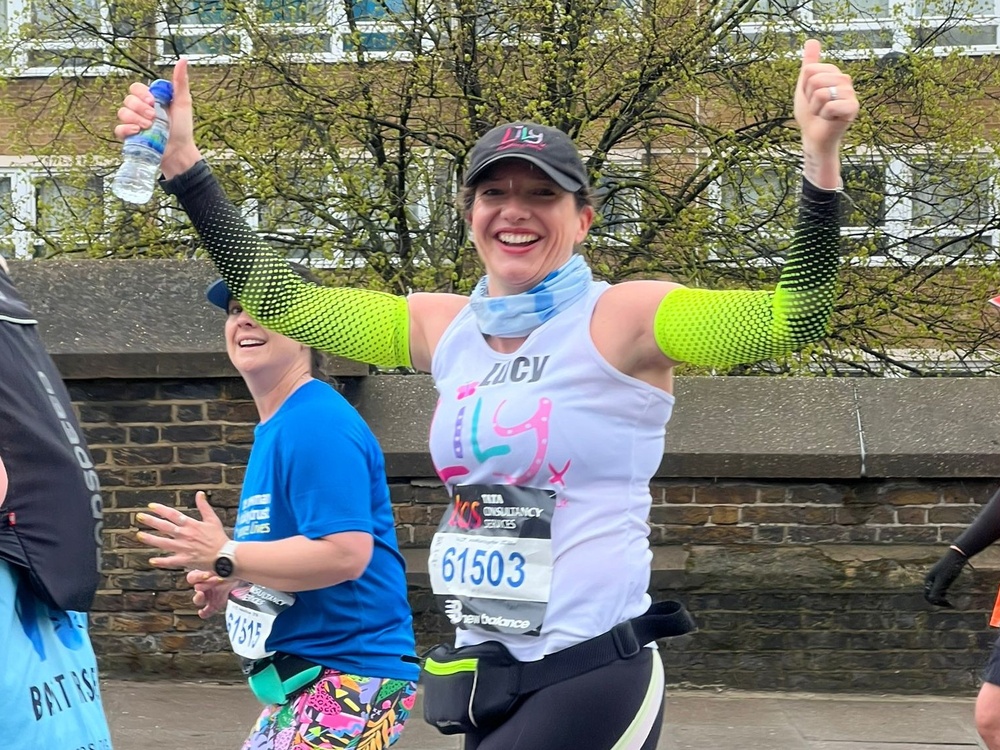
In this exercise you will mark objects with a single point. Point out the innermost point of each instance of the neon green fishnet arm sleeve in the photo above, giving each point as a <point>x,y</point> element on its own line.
<point>725,328</point>
<point>359,324</point>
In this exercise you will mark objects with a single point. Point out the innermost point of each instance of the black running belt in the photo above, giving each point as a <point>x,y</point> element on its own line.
<point>666,619</point>
<point>50,523</point>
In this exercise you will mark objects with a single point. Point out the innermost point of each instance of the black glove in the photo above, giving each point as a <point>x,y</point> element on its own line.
<point>942,575</point>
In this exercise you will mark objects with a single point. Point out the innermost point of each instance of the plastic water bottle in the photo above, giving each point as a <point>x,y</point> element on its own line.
<point>143,151</point>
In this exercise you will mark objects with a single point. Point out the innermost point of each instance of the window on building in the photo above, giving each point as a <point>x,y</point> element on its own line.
<point>432,184</point>
<point>300,215</point>
<point>378,29</point>
<point>200,28</point>
<point>951,208</point>
<point>755,195</point>
<point>865,194</point>
<point>17,194</point>
<point>336,210</point>
<point>292,215</point>
<point>67,211</point>
<point>618,192</point>
<point>7,247</point>
<point>296,218</point>
<point>512,23</point>
<point>497,21</point>
<point>925,208</point>
<point>874,25</point>
<point>207,30</point>
<point>42,37</point>
<point>755,200</point>
<point>44,212</point>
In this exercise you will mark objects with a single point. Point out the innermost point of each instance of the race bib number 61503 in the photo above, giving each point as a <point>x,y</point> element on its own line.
<point>490,560</point>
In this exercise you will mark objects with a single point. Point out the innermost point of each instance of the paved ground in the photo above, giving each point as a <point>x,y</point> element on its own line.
<point>182,715</point>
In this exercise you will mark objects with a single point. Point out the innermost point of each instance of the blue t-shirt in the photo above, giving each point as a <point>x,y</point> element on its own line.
<point>49,695</point>
<point>316,469</point>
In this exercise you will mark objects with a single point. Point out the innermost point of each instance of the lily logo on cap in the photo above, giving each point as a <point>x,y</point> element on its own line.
<point>521,136</point>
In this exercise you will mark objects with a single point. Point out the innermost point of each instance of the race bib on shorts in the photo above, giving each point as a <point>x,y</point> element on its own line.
<point>491,558</point>
<point>250,615</point>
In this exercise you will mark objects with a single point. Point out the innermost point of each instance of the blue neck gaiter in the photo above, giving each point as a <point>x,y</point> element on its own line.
<point>519,314</point>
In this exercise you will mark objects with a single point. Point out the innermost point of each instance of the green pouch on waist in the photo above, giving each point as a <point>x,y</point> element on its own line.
<point>275,680</point>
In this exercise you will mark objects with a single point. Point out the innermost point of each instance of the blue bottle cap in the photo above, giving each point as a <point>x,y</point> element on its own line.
<point>162,91</point>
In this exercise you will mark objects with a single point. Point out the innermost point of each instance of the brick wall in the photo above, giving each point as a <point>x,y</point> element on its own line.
<point>160,441</point>
<point>795,584</point>
<point>874,511</point>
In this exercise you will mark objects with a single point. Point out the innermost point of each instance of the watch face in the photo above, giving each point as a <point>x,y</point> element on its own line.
<point>223,567</point>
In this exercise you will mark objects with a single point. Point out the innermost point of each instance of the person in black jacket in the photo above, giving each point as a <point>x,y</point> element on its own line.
<point>50,539</point>
<point>980,534</point>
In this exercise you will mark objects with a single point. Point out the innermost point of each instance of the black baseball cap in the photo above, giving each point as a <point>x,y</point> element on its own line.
<point>549,149</point>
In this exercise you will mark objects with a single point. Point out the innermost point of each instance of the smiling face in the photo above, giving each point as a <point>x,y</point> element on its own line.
<point>258,352</point>
<point>524,226</point>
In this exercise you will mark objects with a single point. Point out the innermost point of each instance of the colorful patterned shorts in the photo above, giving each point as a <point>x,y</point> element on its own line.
<point>337,711</point>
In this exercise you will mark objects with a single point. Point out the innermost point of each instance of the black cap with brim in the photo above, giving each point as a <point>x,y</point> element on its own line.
<point>566,182</point>
<point>549,149</point>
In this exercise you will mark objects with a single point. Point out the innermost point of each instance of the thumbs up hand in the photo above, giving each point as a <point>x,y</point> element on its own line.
<point>136,114</point>
<point>825,106</point>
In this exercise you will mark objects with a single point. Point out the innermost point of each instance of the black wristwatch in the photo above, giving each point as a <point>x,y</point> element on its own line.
<point>225,562</point>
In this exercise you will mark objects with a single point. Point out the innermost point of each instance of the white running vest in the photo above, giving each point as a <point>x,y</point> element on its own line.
<point>555,415</point>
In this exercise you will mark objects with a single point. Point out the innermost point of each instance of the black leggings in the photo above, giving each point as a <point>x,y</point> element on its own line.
<point>607,708</point>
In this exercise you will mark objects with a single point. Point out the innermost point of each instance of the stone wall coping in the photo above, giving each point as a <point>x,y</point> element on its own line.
<point>132,318</point>
<point>757,427</point>
<point>149,319</point>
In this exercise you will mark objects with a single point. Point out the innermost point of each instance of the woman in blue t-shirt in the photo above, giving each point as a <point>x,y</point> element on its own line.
<point>312,582</point>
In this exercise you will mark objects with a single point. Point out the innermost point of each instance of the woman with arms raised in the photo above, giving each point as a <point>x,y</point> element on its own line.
<point>554,390</point>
